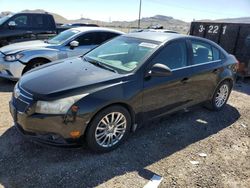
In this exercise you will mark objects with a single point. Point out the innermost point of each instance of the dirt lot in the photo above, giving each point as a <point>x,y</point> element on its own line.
<point>165,148</point>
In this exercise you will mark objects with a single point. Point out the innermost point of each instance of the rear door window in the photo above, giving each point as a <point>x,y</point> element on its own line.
<point>204,52</point>
<point>39,21</point>
<point>22,21</point>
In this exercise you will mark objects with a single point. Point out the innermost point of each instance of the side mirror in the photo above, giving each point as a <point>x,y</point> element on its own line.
<point>74,44</point>
<point>12,24</point>
<point>159,70</point>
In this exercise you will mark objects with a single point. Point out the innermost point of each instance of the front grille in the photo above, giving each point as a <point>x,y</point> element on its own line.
<point>23,101</point>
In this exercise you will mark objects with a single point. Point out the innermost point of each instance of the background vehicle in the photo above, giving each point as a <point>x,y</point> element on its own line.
<point>71,25</point>
<point>17,59</point>
<point>154,30</point>
<point>27,26</point>
<point>233,37</point>
<point>129,80</point>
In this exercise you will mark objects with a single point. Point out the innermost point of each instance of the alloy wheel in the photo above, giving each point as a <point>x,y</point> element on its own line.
<point>221,96</point>
<point>110,129</point>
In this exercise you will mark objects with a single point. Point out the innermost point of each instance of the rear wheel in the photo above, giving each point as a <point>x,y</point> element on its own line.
<point>108,129</point>
<point>220,96</point>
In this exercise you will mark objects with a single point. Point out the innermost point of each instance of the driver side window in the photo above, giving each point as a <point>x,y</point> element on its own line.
<point>21,21</point>
<point>173,55</point>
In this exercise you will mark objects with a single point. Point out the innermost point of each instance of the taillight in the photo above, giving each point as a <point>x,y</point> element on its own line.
<point>237,66</point>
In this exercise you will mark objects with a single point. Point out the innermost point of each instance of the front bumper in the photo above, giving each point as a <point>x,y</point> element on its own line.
<point>10,70</point>
<point>48,129</point>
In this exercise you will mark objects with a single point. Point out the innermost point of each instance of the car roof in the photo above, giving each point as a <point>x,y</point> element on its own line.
<point>156,36</point>
<point>165,37</point>
<point>86,29</point>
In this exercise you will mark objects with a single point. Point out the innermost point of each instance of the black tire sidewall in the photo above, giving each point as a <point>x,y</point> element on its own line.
<point>90,135</point>
<point>30,66</point>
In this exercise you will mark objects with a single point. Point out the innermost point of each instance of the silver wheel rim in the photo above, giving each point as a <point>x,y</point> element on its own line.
<point>110,129</point>
<point>221,95</point>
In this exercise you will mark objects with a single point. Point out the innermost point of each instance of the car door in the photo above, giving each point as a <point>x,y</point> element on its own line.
<point>21,31</point>
<point>42,27</point>
<point>87,41</point>
<point>162,95</point>
<point>206,66</point>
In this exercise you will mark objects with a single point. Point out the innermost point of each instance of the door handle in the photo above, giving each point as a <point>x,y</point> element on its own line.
<point>184,80</point>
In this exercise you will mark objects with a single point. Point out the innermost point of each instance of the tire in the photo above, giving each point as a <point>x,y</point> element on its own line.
<point>34,64</point>
<point>220,99</point>
<point>99,135</point>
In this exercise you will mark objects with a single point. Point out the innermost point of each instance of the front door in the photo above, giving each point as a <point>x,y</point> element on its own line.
<point>163,95</point>
<point>22,30</point>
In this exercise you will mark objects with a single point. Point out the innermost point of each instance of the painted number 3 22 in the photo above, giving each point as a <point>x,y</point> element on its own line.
<point>213,29</point>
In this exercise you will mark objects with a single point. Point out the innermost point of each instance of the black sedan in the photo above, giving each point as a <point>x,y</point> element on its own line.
<point>101,97</point>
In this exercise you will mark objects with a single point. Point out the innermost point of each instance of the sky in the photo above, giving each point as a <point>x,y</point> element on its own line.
<point>113,10</point>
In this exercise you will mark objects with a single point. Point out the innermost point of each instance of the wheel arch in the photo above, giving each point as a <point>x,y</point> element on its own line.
<point>33,60</point>
<point>122,104</point>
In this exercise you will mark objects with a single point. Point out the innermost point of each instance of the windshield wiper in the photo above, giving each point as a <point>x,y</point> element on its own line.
<point>99,64</point>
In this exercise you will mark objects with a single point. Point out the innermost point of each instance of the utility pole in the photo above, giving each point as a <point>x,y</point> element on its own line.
<point>139,21</point>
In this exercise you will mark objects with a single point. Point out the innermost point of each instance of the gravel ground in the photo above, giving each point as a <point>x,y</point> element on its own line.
<point>165,147</point>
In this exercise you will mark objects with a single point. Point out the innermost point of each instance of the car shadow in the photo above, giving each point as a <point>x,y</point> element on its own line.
<point>243,86</point>
<point>6,85</point>
<point>25,164</point>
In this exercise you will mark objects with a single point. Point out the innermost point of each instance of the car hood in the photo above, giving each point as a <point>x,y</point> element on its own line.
<point>21,46</point>
<point>64,78</point>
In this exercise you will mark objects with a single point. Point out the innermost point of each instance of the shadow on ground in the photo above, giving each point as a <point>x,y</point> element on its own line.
<point>24,164</point>
<point>243,86</point>
<point>6,85</point>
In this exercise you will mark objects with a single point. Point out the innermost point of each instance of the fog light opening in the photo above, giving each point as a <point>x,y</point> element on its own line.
<point>75,134</point>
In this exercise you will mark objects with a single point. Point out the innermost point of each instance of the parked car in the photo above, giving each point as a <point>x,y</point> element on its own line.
<point>155,30</point>
<point>72,25</point>
<point>118,86</point>
<point>27,26</point>
<point>17,59</point>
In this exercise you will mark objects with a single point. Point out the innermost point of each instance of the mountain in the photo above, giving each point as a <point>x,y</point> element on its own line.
<point>167,22</point>
<point>229,20</point>
<point>236,20</point>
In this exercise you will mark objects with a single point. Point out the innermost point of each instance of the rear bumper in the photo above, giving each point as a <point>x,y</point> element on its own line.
<point>11,70</point>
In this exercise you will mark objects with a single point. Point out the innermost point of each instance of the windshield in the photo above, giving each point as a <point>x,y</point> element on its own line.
<point>123,54</point>
<point>3,19</point>
<point>63,36</point>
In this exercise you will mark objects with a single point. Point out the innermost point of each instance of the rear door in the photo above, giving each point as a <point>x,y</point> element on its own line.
<point>205,68</point>
<point>42,27</point>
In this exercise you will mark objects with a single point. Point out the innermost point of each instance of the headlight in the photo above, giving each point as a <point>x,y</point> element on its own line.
<point>13,57</point>
<point>60,106</point>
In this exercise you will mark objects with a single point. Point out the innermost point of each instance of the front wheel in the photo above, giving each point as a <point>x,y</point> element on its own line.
<point>34,64</point>
<point>108,129</point>
<point>220,96</point>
